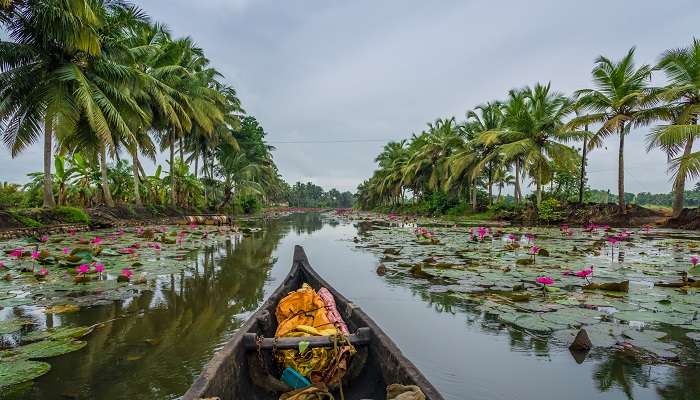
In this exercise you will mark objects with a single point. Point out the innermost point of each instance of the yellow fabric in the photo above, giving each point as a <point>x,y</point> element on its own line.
<point>303,313</point>
<point>302,307</point>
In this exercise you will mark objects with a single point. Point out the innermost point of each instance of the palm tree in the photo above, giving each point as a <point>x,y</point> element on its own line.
<point>620,101</point>
<point>682,69</point>
<point>491,119</point>
<point>46,39</point>
<point>533,133</point>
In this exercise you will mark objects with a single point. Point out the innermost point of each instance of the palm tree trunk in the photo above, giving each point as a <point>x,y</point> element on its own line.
<point>582,183</point>
<point>679,183</point>
<point>539,191</point>
<point>490,184</point>
<point>173,186</point>
<point>196,164</point>
<point>621,172</point>
<point>474,205</point>
<point>103,174</point>
<point>182,150</point>
<point>48,178</point>
<point>517,182</point>
<point>204,174</point>
<point>135,171</point>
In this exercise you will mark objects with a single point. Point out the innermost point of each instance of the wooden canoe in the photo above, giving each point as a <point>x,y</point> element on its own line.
<point>238,372</point>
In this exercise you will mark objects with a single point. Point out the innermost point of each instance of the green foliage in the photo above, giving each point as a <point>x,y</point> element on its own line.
<point>550,210</point>
<point>248,204</point>
<point>12,196</point>
<point>71,215</point>
<point>308,195</point>
<point>25,220</point>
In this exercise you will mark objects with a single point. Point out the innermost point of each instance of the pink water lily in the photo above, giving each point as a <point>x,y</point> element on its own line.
<point>155,246</point>
<point>43,271</point>
<point>71,232</point>
<point>97,240</point>
<point>2,265</point>
<point>99,268</point>
<point>545,280</point>
<point>530,237</point>
<point>17,253</point>
<point>512,237</point>
<point>694,260</point>
<point>534,250</point>
<point>139,230</point>
<point>82,269</point>
<point>66,250</point>
<point>127,250</point>
<point>194,226</point>
<point>44,238</point>
<point>585,273</point>
<point>35,255</point>
<point>127,273</point>
<point>482,232</point>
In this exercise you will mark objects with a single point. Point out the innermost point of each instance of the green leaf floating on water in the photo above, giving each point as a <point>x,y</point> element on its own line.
<point>46,349</point>
<point>573,317</point>
<point>653,317</point>
<point>12,325</point>
<point>63,332</point>
<point>14,372</point>
<point>531,322</point>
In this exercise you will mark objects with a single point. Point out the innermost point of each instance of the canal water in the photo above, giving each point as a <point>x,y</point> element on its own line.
<point>156,343</point>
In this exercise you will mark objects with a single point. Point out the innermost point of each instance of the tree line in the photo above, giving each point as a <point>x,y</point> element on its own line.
<point>532,135</point>
<point>103,87</point>
<point>308,195</point>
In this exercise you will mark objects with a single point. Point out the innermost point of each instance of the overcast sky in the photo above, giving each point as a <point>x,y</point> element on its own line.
<point>371,71</point>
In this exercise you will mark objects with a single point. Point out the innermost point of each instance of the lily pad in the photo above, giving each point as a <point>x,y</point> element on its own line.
<point>14,372</point>
<point>47,349</point>
<point>12,325</point>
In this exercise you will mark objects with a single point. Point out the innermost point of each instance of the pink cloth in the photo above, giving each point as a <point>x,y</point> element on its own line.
<point>332,311</point>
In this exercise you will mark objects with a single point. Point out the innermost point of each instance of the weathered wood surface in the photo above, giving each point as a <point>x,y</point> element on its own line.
<point>228,374</point>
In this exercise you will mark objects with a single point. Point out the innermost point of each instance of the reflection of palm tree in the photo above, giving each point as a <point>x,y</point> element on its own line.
<point>620,370</point>
<point>685,385</point>
<point>187,315</point>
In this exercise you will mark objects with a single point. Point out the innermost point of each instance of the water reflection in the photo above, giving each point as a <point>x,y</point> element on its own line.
<point>155,344</point>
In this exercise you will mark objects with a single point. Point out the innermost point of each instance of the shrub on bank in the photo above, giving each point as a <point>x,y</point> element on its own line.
<point>550,210</point>
<point>71,215</point>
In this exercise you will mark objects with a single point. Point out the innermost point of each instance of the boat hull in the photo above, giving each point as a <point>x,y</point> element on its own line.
<point>234,373</point>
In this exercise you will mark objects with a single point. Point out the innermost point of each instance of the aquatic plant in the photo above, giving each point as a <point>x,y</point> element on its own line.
<point>534,250</point>
<point>82,269</point>
<point>585,273</point>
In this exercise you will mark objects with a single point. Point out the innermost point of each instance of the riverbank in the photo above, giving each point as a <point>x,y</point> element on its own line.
<point>40,221</point>
<point>571,214</point>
